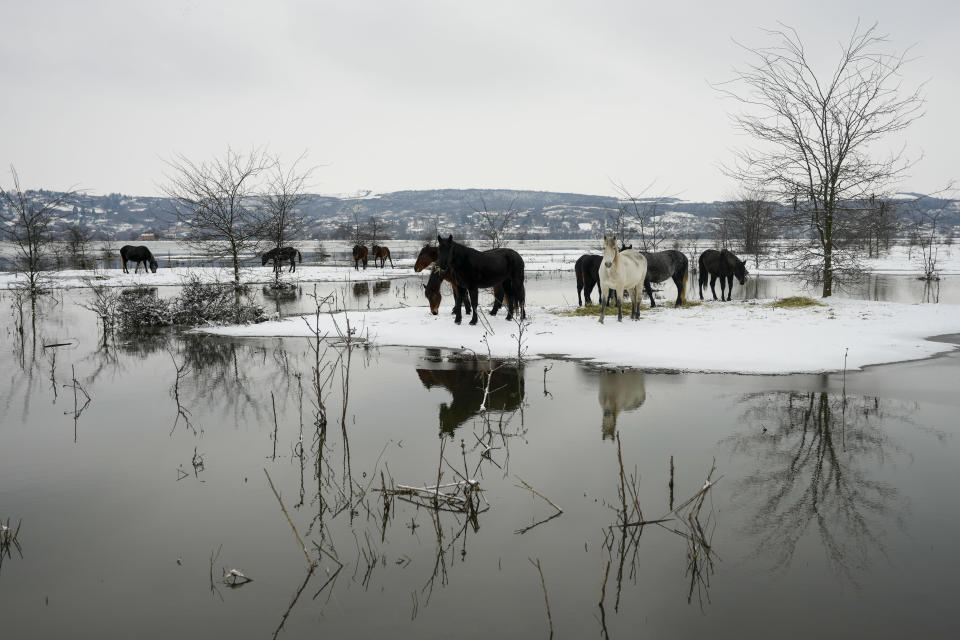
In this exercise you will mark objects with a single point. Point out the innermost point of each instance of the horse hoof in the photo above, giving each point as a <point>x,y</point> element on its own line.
<point>473,322</point>
<point>457,320</point>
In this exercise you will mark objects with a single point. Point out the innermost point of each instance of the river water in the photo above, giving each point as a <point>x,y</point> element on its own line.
<point>831,510</point>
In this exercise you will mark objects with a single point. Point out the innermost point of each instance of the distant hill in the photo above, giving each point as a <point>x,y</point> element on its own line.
<point>413,214</point>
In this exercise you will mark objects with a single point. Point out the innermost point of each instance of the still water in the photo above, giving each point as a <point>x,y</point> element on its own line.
<point>831,513</point>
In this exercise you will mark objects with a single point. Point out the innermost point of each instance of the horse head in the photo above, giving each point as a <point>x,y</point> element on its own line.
<point>263,260</point>
<point>432,291</point>
<point>609,251</point>
<point>153,265</point>
<point>426,257</point>
<point>740,270</point>
<point>444,252</point>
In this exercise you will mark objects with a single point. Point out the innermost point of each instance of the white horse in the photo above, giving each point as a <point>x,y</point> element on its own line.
<point>621,271</point>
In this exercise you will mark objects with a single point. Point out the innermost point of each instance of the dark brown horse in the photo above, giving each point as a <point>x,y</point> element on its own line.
<point>426,257</point>
<point>382,254</point>
<point>140,255</point>
<point>359,255</point>
<point>724,265</point>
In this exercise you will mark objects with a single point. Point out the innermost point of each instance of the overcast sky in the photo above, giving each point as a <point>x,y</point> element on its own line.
<point>390,95</point>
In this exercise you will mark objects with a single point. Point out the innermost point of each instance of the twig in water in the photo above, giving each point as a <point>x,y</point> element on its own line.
<point>310,562</point>
<point>545,598</point>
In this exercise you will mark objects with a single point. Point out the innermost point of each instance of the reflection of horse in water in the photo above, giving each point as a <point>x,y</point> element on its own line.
<point>380,287</point>
<point>619,391</point>
<point>361,289</point>
<point>466,381</point>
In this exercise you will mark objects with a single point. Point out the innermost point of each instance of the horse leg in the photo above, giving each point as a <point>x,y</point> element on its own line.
<point>620,305</point>
<point>723,285</point>
<point>505,288</point>
<point>603,303</point>
<point>678,283</point>
<point>520,299</point>
<point>729,288</point>
<point>498,300</point>
<point>701,280</point>
<point>474,300</point>
<point>391,261</point>
<point>123,263</point>
<point>580,290</point>
<point>713,287</point>
<point>649,290</point>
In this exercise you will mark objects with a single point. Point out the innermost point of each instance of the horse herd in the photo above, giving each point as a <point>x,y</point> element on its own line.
<point>619,270</point>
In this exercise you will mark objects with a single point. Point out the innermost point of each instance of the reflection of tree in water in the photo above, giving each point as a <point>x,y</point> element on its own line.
<point>466,381</point>
<point>814,454</point>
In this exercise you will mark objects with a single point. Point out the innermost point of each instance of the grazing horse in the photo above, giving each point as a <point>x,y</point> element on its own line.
<point>663,265</point>
<point>620,391</point>
<point>381,254</point>
<point>432,291</point>
<point>472,269</point>
<point>140,255</point>
<point>621,271</point>
<point>725,265</point>
<point>587,269</point>
<point>359,255</point>
<point>280,255</point>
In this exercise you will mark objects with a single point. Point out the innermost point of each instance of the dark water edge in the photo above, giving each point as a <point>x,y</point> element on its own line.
<point>833,510</point>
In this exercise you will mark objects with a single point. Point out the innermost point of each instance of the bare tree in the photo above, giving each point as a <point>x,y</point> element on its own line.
<point>26,220</point>
<point>814,132</point>
<point>751,221</point>
<point>645,214</point>
<point>923,222</point>
<point>494,225</point>
<point>214,202</point>
<point>376,230</point>
<point>78,245</point>
<point>881,226</point>
<point>281,216</point>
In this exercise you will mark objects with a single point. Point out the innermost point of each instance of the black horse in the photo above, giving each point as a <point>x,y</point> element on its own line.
<point>360,254</point>
<point>280,255</point>
<point>472,269</point>
<point>587,269</point>
<point>432,291</point>
<point>662,265</point>
<point>725,265</point>
<point>140,255</point>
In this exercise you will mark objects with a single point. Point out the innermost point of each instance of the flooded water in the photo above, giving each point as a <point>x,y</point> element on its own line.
<point>830,513</point>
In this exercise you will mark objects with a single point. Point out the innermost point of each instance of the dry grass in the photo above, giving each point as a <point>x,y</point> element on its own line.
<point>593,310</point>
<point>795,302</point>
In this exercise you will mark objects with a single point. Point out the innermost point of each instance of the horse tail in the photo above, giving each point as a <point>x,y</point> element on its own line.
<point>683,288</point>
<point>299,256</point>
<point>578,269</point>
<point>701,275</point>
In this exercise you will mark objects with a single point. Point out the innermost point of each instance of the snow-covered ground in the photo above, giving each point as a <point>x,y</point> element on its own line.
<point>747,337</point>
